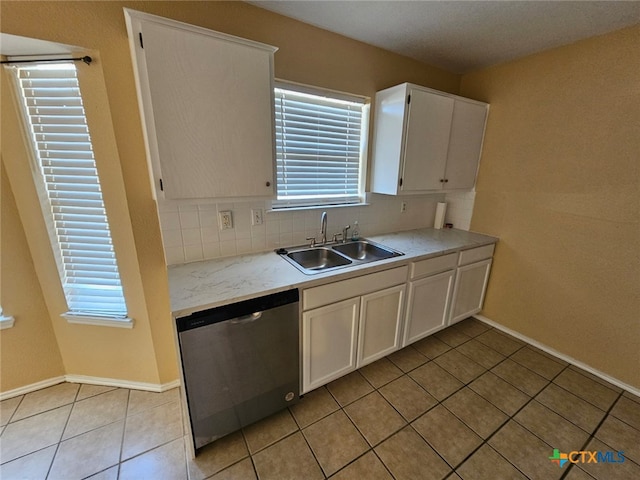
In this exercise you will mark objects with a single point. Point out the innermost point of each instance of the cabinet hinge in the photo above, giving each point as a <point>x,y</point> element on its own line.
<point>141,42</point>
<point>161,186</point>
<point>408,99</point>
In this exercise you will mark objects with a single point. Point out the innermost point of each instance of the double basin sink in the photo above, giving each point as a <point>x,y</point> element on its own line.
<point>311,260</point>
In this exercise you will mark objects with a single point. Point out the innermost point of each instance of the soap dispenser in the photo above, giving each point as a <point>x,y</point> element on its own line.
<point>355,233</point>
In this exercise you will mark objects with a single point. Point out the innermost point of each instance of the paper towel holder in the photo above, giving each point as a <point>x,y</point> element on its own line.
<point>441,209</point>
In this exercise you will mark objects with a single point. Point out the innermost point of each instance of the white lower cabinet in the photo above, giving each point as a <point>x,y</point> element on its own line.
<point>380,324</point>
<point>350,323</point>
<point>471,283</point>
<point>427,306</point>
<point>469,290</point>
<point>329,342</point>
<point>339,337</point>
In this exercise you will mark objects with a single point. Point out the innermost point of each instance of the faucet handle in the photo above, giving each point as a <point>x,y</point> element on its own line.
<point>335,237</point>
<point>344,233</point>
<point>313,241</point>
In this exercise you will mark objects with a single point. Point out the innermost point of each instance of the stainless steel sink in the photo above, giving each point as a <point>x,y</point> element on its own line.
<point>312,260</point>
<point>318,258</point>
<point>365,251</point>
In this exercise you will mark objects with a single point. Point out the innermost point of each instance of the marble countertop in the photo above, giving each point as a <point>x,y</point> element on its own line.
<point>211,283</point>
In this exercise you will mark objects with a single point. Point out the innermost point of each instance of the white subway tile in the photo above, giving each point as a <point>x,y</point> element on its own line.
<point>286,224</point>
<point>286,239</point>
<point>193,253</point>
<point>174,255</point>
<point>273,228</point>
<point>209,234</point>
<point>259,244</point>
<point>243,245</point>
<point>208,218</point>
<point>259,231</point>
<point>172,238</point>
<point>227,235</point>
<point>189,219</point>
<point>210,249</point>
<point>273,241</point>
<point>170,220</point>
<point>298,238</point>
<point>191,236</point>
<point>228,248</point>
<point>223,207</point>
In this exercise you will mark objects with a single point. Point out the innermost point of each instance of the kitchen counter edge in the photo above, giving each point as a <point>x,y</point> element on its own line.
<point>198,286</point>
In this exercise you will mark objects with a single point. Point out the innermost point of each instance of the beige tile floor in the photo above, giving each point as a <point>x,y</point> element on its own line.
<point>467,403</point>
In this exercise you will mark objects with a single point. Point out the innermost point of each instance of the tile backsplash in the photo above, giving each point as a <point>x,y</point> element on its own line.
<point>191,231</point>
<point>459,209</point>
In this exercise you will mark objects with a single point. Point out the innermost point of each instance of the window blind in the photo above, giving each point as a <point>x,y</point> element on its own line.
<point>75,211</point>
<point>318,148</point>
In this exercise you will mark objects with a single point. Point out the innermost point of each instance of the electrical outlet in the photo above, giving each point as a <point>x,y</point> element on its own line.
<point>256,216</point>
<point>403,207</point>
<point>226,220</point>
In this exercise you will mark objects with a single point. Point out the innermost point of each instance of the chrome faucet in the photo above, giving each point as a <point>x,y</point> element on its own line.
<point>323,228</point>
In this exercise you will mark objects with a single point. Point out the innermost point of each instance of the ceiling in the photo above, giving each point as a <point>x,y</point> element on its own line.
<point>461,36</point>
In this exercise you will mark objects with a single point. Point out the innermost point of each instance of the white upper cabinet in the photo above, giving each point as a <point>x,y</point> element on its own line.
<point>425,140</point>
<point>207,105</point>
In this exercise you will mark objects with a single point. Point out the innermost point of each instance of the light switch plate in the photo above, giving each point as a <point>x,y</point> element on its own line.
<point>256,216</point>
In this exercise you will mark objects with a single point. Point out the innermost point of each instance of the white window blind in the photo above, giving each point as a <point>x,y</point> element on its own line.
<point>6,321</point>
<point>79,229</point>
<point>318,149</point>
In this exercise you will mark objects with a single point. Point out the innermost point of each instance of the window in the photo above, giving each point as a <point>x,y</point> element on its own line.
<point>6,321</point>
<point>320,141</point>
<point>70,192</point>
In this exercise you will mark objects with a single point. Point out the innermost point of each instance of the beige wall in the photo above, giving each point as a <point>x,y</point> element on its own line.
<point>28,351</point>
<point>103,352</point>
<point>559,184</point>
<point>306,54</point>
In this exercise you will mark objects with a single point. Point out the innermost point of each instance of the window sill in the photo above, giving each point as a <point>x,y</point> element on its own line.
<point>98,321</point>
<point>6,322</point>
<point>315,207</point>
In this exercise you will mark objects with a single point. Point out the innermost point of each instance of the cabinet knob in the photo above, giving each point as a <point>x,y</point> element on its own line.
<point>446,180</point>
<point>442,180</point>
<point>268,184</point>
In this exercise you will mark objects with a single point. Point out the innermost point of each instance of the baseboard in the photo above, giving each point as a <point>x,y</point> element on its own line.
<point>106,382</point>
<point>112,382</point>
<point>560,355</point>
<point>31,387</point>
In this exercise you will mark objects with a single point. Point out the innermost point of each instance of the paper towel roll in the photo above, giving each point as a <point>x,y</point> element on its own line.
<point>440,211</point>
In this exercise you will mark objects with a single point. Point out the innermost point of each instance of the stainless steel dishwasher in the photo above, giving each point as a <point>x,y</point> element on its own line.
<point>240,363</point>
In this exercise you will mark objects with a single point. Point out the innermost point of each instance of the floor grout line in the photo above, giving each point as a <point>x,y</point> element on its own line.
<point>592,435</point>
<point>376,389</point>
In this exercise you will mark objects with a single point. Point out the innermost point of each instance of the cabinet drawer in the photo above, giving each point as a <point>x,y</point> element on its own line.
<point>475,254</point>
<point>354,287</point>
<point>433,265</point>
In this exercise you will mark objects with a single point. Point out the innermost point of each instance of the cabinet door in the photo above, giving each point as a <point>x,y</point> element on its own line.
<point>380,324</point>
<point>468,294</point>
<point>208,113</point>
<point>329,342</point>
<point>427,306</point>
<point>465,144</point>
<point>426,141</point>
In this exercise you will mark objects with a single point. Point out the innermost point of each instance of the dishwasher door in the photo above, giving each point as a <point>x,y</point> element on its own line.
<point>240,363</point>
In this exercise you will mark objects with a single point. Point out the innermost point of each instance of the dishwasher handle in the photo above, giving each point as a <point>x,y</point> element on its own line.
<point>252,317</point>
